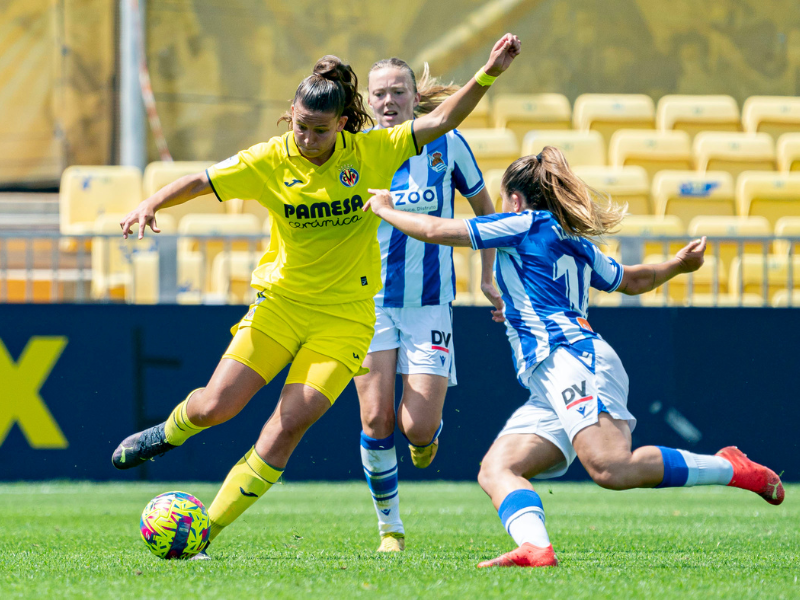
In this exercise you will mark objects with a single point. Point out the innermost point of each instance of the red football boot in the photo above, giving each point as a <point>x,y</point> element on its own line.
<point>526,555</point>
<point>752,476</point>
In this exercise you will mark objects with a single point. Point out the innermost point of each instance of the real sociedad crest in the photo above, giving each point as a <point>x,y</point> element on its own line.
<point>436,162</point>
<point>348,176</point>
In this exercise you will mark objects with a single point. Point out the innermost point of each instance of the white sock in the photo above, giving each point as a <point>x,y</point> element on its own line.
<point>380,468</point>
<point>706,469</point>
<point>522,515</point>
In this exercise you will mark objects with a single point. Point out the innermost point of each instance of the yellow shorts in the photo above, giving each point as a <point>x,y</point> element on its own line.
<point>309,336</point>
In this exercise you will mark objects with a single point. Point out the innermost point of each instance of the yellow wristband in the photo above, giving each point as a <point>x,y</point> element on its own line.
<point>481,78</point>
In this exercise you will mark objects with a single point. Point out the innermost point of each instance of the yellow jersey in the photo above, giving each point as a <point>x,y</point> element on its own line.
<point>323,248</point>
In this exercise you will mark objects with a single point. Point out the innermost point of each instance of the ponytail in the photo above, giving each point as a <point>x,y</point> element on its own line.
<point>333,87</point>
<point>547,183</point>
<point>432,92</point>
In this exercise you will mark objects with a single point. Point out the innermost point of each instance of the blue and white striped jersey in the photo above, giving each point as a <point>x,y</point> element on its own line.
<point>415,273</point>
<point>544,276</point>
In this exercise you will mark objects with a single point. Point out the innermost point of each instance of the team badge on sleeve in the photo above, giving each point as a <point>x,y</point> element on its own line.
<point>348,176</point>
<point>436,162</point>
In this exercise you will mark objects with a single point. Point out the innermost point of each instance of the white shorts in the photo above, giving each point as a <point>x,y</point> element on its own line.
<point>423,336</point>
<point>566,396</point>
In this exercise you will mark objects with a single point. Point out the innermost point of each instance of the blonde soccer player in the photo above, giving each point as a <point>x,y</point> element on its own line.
<point>318,278</point>
<point>413,314</point>
<point>579,389</point>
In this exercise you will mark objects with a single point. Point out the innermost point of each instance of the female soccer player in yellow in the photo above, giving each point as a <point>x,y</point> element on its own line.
<point>317,280</point>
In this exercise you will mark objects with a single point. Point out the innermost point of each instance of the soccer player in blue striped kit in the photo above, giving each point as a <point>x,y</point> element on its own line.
<point>413,318</point>
<point>579,388</point>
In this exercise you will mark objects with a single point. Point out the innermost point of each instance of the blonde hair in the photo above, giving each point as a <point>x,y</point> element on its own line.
<point>432,91</point>
<point>546,182</point>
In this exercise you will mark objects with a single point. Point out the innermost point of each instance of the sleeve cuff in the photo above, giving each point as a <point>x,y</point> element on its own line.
<point>211,183</point>
<point>474,235</point>
<point>478,187</point>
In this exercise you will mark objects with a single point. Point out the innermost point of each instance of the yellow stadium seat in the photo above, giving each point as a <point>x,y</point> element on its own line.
<point>607,113</point>
<point>461,264</point>
<point>733,152</point>
<point>787,227</point>
<point>774,115</point>
<point>492,148</point>
<point>789,152</point>
<point>694,114</point>
<point>683,288</point>
<point>653,150</point>
<point>158,174</point>
<point>727,300</point>
<point>645,226</point>
<point>688,194</point>
<point>113,261</point>
<point>782,299</point>
<point>230,276</point>
<point>522,113</point>
<point>195,256</point>
<point>480,117</point>
<point>494,183</point>
<point>772,195</point>
<point>579,147</point>
<point>89,192</point>
<point>723,234</point>
<point>747,274</point>
<point>624,185</point>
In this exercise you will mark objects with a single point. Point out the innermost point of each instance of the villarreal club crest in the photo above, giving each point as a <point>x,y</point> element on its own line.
<point>348,176</point>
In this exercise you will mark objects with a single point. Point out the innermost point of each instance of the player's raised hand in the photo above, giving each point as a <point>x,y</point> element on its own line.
<point>381,200</point>
<point>144,215</point>
<point>503,54</point>
<point>692,256</point>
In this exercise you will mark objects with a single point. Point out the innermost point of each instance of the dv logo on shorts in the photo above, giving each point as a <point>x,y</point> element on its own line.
<point>436,162</point>
<point>574,395</point>
<point>440,340</point>
<point>348,175</point>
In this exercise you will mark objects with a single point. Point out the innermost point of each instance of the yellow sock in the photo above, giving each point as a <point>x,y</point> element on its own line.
<point>246,483</point>
<point>179,428</point>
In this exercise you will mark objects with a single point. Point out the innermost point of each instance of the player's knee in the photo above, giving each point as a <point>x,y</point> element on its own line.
<point>209,408</point>
<point>421,434</point>
<point>378,424</point>
<point>610,475</point>
<point>489,474</point>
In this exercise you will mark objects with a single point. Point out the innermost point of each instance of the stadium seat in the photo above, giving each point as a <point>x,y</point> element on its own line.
<point>782,299</point>
<point>195,257</point>
<point>480,117</point>
<point>580,148</point>
<point>723,233</point>
<point>462,265</point>
<point>494,182</point>
<point>683,288</point>
<point>644,226</point>
<point>606,113</point>
<point>113,261</point>
<point>492,148</point>
<point>748,271</point>
<point>774,115</point>
<point>789,152</point>
<point>688,194</point>
<point>230,276</point>
<point>772,195</point>
<point>734,152</point>
<point>624,185</point>
<point>653,150</point>
<point>158,174</point>
<point>89,192</point>
<point>522,113</point>
<point>694,114</point>
<point>787,227</point>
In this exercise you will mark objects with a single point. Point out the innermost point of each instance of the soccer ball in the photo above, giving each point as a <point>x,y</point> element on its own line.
<point>175,525</point>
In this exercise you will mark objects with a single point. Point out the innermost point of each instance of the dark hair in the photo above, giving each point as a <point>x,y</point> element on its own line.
<point>547,183</point>
<point>432,92</point>
<point>333,87</point>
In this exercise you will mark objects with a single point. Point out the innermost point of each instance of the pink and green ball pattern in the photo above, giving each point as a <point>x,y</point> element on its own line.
<point>174,525</point>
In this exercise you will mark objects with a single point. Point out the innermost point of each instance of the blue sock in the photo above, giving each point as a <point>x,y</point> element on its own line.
<point>686,469</point>
<point>379,459</point>
<point>522,515</point>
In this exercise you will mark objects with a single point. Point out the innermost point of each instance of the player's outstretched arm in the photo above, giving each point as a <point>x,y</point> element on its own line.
<point>179,191</point>
<point>640,279</point>
<point>434,230</point>
<point>450,113</point>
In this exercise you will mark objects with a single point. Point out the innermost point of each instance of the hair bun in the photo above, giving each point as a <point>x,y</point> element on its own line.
<point>331,67</point>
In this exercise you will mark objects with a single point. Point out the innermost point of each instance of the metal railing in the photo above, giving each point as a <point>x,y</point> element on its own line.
<point>214,268</point>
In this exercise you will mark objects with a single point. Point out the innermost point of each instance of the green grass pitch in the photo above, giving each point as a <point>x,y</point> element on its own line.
<point>318,540</point>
